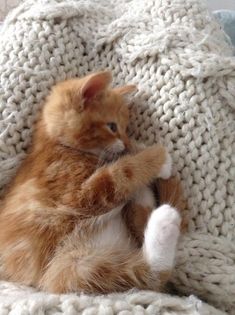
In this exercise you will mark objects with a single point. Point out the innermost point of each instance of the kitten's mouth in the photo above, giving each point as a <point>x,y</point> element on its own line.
<point>109,157</point>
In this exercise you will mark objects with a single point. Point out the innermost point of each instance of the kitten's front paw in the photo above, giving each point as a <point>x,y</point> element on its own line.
<point>141,146</point>
<point>136,147</point>
<point>166,169</point>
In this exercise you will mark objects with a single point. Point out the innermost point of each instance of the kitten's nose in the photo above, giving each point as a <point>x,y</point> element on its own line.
<point>127,146</point>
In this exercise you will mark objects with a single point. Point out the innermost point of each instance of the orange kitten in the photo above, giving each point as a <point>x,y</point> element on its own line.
<point>63,223</point>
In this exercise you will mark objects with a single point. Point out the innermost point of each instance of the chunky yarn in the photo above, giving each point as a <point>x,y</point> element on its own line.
<point>182,63</point>
<point>20,300</point>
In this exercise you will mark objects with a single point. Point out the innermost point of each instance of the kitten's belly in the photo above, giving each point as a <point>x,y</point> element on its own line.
<point>113,231</point>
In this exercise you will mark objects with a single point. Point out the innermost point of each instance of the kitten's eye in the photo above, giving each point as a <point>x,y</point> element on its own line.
<point>112,126</point>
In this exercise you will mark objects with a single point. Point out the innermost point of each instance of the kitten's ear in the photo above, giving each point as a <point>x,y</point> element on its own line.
<point>94,84</point>
<point>126,89</point>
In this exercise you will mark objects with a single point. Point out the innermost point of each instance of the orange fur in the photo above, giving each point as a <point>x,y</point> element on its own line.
<point>55,207</point>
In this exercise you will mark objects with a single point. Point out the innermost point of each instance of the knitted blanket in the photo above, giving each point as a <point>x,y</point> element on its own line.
<point>182,63</point>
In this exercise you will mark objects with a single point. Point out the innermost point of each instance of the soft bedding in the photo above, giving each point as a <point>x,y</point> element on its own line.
<point>182,62</point>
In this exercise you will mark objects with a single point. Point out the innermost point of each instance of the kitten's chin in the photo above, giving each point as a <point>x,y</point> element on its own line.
<point>114,151</point>
<point>108,154</point>
<point>109,158</point>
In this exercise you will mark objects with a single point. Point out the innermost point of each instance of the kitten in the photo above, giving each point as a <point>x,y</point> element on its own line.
<point>64,223</point>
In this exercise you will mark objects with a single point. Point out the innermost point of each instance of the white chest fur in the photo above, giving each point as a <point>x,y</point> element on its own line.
<point>112,230</point>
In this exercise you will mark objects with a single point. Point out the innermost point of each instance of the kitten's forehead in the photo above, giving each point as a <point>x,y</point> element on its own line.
<point>115,100</point>
<point>115,105</point>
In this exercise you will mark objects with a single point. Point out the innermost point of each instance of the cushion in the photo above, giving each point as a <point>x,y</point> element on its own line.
<point>180,59</point>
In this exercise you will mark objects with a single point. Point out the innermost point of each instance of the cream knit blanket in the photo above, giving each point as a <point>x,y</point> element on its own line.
<point>182,64</point>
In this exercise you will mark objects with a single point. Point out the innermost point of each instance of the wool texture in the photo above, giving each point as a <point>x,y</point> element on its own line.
<point>182,62</point>
<point>21,300</point>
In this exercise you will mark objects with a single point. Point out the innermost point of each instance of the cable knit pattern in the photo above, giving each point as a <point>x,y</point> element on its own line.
<point>24,301</point>
<point>182,63</point>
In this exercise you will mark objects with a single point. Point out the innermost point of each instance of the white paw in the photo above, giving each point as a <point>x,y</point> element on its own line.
<point>166,170</point>
<point>166,215</point>
<point>137,146</point>
<point>161,237</point>
<point>141,146</point>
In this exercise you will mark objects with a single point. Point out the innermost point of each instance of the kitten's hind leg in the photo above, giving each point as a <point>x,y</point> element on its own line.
<point>161,237</point>
<point>93,270</point>
<point>84,267</point>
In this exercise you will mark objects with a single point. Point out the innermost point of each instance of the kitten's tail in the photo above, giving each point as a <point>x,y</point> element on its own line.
<point>170,192</point>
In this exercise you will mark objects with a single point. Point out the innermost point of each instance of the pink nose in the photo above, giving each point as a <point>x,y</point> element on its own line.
<point>126,143</point>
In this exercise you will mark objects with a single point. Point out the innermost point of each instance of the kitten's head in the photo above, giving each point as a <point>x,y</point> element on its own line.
<point>86,114</point>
